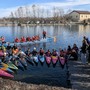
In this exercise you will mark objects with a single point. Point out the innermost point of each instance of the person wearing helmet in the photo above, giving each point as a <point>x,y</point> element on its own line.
<point>34,52</point>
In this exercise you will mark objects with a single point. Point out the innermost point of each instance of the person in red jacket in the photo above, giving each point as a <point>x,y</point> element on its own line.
<point>3,39</point>
<point>17,40</point>
<point>23,39</point>
<point>44,34</point>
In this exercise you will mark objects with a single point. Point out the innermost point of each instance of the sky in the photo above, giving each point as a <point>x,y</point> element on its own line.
<point>8,6</point>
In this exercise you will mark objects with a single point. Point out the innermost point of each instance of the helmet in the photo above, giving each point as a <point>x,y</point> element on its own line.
<point>34,48</point>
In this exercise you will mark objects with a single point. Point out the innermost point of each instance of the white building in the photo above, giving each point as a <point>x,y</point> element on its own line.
<point>79,15</point>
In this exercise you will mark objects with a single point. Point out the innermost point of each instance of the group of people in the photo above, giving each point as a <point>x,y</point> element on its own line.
<point>69,53</point>
<point>23,39</point>
<point>36,37</point>
<point>85,50</point>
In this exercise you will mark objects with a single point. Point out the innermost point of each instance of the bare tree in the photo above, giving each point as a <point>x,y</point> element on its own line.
<point>34,10</point>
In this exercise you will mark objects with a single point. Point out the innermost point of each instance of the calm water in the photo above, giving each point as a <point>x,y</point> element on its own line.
<point>66,35</point>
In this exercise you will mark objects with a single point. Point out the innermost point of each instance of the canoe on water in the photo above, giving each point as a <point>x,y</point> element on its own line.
<point>62,60</point>
<point>54,59</point>
<point>23,62</point>
<point>11,65</point>
<point>30,59</point>
<point>18,64</point>
<point>48,39</point>
<point>4,65</point>
<point>48,59</point>
<point>6,69</point>
<point>35,59</point>
<point>41,58</point>
<point>5,74</point>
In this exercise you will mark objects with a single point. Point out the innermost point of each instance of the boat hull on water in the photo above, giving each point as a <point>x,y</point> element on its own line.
<point>6,69</point>
<point>48,59</point>
<point>54,59</point>
<point>48,39</point>
<point>11,65</point>
<point>62,60</point>
<point>35,59</point>
<point>41,59</point>
<point>5,74</point>
<point>23,62</point>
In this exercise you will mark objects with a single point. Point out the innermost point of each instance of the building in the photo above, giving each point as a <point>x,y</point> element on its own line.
<point>79,16</point>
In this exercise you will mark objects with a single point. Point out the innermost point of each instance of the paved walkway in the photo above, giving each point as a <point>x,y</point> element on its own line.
<point>79,75</point>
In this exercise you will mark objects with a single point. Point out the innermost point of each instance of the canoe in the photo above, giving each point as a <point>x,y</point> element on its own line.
<point>35,59</point>
<point>11,65</point>
<point>23,62</point>
<point>41,58</point>
<point>62,60</point>
<point>48,59</point>
<point>1,53</point>
<point>48,39</point>
<point>6,69</point>
<point>4,65</point>
<point>30,59</point>
<point>54,59</point>
<point>18,64</point>
<point>5,74</point>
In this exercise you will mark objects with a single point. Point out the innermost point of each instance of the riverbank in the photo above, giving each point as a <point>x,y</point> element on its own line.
<point>48,24</point>
<point>79,75</point>
<point>6,84</point>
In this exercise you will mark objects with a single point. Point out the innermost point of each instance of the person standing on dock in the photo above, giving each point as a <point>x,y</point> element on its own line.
<point>44,34</point>
<point>83,51</point>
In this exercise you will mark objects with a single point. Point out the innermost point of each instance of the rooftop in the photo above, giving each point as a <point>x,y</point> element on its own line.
<point>81,12</point>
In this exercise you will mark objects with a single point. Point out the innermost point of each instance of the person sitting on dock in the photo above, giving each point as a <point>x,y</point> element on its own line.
<point>44,34</point>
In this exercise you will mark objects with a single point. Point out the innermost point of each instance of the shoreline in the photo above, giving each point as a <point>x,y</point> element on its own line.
<point>6,84</point>
<point>22,25</point>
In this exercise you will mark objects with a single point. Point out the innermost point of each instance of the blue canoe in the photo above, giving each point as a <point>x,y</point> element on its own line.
<point>41,58</point>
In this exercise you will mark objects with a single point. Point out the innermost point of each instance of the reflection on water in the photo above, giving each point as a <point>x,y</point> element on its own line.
<point>66,35</point>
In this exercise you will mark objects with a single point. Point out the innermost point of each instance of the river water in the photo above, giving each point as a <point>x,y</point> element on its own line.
<point>65,35</point>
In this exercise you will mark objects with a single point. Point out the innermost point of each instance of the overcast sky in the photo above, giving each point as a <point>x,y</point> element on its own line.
<point>6,6</point>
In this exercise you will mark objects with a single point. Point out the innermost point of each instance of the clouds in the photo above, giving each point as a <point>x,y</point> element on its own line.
<point>65,4</point>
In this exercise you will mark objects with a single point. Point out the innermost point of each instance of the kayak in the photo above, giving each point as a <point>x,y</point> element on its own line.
<point>6,69</point>
<point>62,60</point>
<point>48,39</point>
<point>23,62</point>
<point>54,59</point>
<point>35,59</point>
<point>48,59</point>
<point>1,53</point>
<point>5,74</point>
<point>11,65</point>
<point>30,60</point>
<point>41,58</point>
<point>18,64</point>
